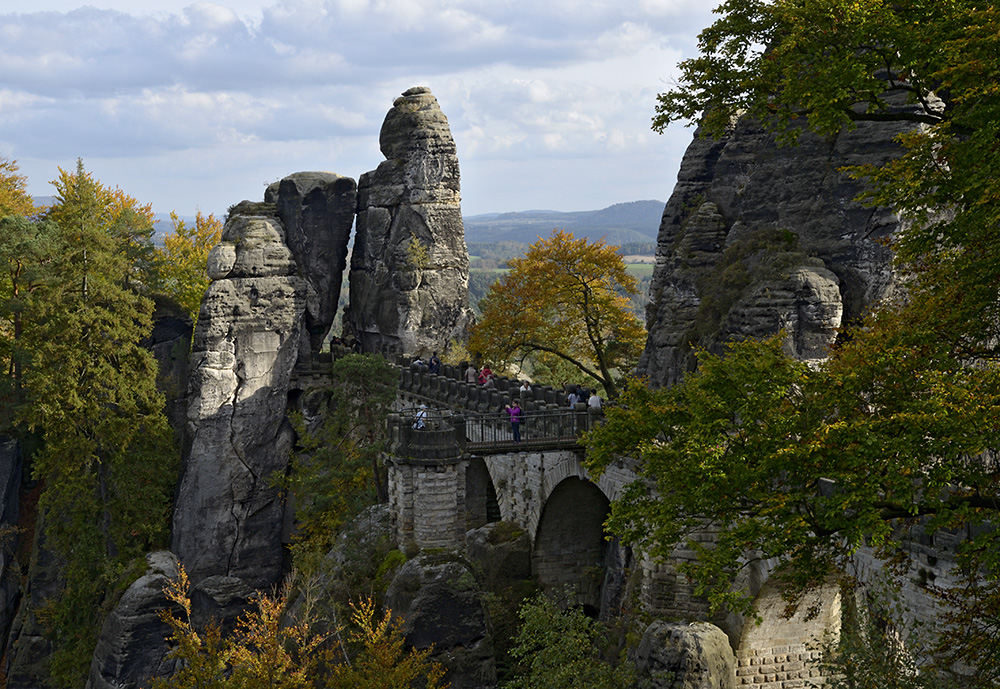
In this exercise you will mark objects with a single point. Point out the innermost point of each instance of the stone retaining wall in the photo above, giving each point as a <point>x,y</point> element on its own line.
<point>780,667</point>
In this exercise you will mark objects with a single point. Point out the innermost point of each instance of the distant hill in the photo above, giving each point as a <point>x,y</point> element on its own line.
<point>637,221</point>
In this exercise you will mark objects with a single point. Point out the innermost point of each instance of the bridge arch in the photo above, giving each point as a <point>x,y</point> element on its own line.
<point>570,546</point>
<point>481,504</point>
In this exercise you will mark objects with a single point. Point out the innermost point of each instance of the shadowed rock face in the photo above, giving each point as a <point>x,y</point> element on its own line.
<point>785,219</point>
<point>442,609</point>
<point>228,514</point>
<point>410,267</point>
<point>134,645</point>
<point>317,210</point>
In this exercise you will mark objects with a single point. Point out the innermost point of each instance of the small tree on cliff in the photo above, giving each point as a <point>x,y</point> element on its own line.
<point>569,298</point>
<point>337,471</point>
<point>272,648</point>
<point>181,263</point>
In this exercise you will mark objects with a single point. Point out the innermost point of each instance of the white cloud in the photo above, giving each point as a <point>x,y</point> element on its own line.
<point>261,88</point>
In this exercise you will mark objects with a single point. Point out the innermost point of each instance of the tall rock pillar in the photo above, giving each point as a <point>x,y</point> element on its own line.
<point>409,276</point>
<point>229,509</point>
<point>317,212</point>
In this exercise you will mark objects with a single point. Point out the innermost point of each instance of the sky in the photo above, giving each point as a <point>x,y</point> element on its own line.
<point>199,105</point>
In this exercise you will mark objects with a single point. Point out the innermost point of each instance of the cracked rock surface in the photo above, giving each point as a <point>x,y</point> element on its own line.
<point>228,513</point>
<point>758,237</point>
<point>410,266</point>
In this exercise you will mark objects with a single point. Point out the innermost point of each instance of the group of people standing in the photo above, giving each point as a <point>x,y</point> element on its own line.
<point>576,395</point>
<point>484,377</point>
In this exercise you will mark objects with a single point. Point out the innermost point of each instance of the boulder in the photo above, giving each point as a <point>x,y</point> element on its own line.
<point>442,606</point>
<point>410,266</point>
<point>679,655</point>
<point>134,645</point>
<point>229,510</point>
<point>221,601</point>
<point>757,237</point>
<point>317,210</point>
<point>501,551</point>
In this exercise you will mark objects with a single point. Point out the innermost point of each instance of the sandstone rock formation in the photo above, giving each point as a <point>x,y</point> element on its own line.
<point>317,210</point>
<point>222,601</point>
<point>11,468</point>
<point>229,508</point>
<point>502,551</point>
<point>442,605</point>
<point>29,645</point>
<point>133,647</point>
<point>757,237</point>
<point>410,267</point>
<point>681,655</point>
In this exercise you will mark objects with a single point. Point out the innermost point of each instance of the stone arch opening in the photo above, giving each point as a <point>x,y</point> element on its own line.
<point>481,504</point>
<point>570,547</point>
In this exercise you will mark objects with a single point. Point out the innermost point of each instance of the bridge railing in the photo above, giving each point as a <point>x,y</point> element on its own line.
<point>492,430</point>
<point>484,433</point>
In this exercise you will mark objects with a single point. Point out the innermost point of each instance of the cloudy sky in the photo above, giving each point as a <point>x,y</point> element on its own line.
<point>197,105</point>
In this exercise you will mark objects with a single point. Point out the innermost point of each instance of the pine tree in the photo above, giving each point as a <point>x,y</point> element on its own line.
<point>107,461</point>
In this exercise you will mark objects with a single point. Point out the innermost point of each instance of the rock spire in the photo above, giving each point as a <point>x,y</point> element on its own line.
<point>410,267</point>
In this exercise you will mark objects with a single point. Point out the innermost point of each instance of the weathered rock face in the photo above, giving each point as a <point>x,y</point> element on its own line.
<point>757,237</point>
<point>442,604</point>
<point>317,210</point>
<point>133,647</point>
<point>681,655</point>
<point>228,514</point>
<point>11,467</point>
<point>220,600</point>
<point>501,550</point>
<point>410,267</point>
<point>29,648</point>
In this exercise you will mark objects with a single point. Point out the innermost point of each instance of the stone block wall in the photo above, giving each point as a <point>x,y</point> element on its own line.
<point>779,667</point>
<point>427,500</point>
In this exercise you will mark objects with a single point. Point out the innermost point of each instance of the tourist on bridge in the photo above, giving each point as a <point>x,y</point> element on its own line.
<point>514,409</point>
<point>420,420</point>
<point>471,374</point>
<point>485,374</point>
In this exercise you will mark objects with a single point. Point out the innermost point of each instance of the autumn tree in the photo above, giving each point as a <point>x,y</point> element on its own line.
<point>24,246</point>
<point>568,298</point>
<point>27,249</point>
<point>14,198</point>
<point>274,647</point>
<point>106,462</point>
<point>181,264</point>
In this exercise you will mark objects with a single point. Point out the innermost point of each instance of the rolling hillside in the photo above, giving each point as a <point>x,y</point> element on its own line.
<point>637,221</point>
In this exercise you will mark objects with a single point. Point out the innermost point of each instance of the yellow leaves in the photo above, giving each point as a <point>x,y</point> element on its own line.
<point>567,297</point>
<point>267,650</point>
<point>14,198</point>
<point>182,261</point>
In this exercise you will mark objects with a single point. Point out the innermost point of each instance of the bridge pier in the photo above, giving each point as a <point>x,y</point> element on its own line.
<point>427,484</point>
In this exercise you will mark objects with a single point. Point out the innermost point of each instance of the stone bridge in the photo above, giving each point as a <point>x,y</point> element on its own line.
<point>464,470</point>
